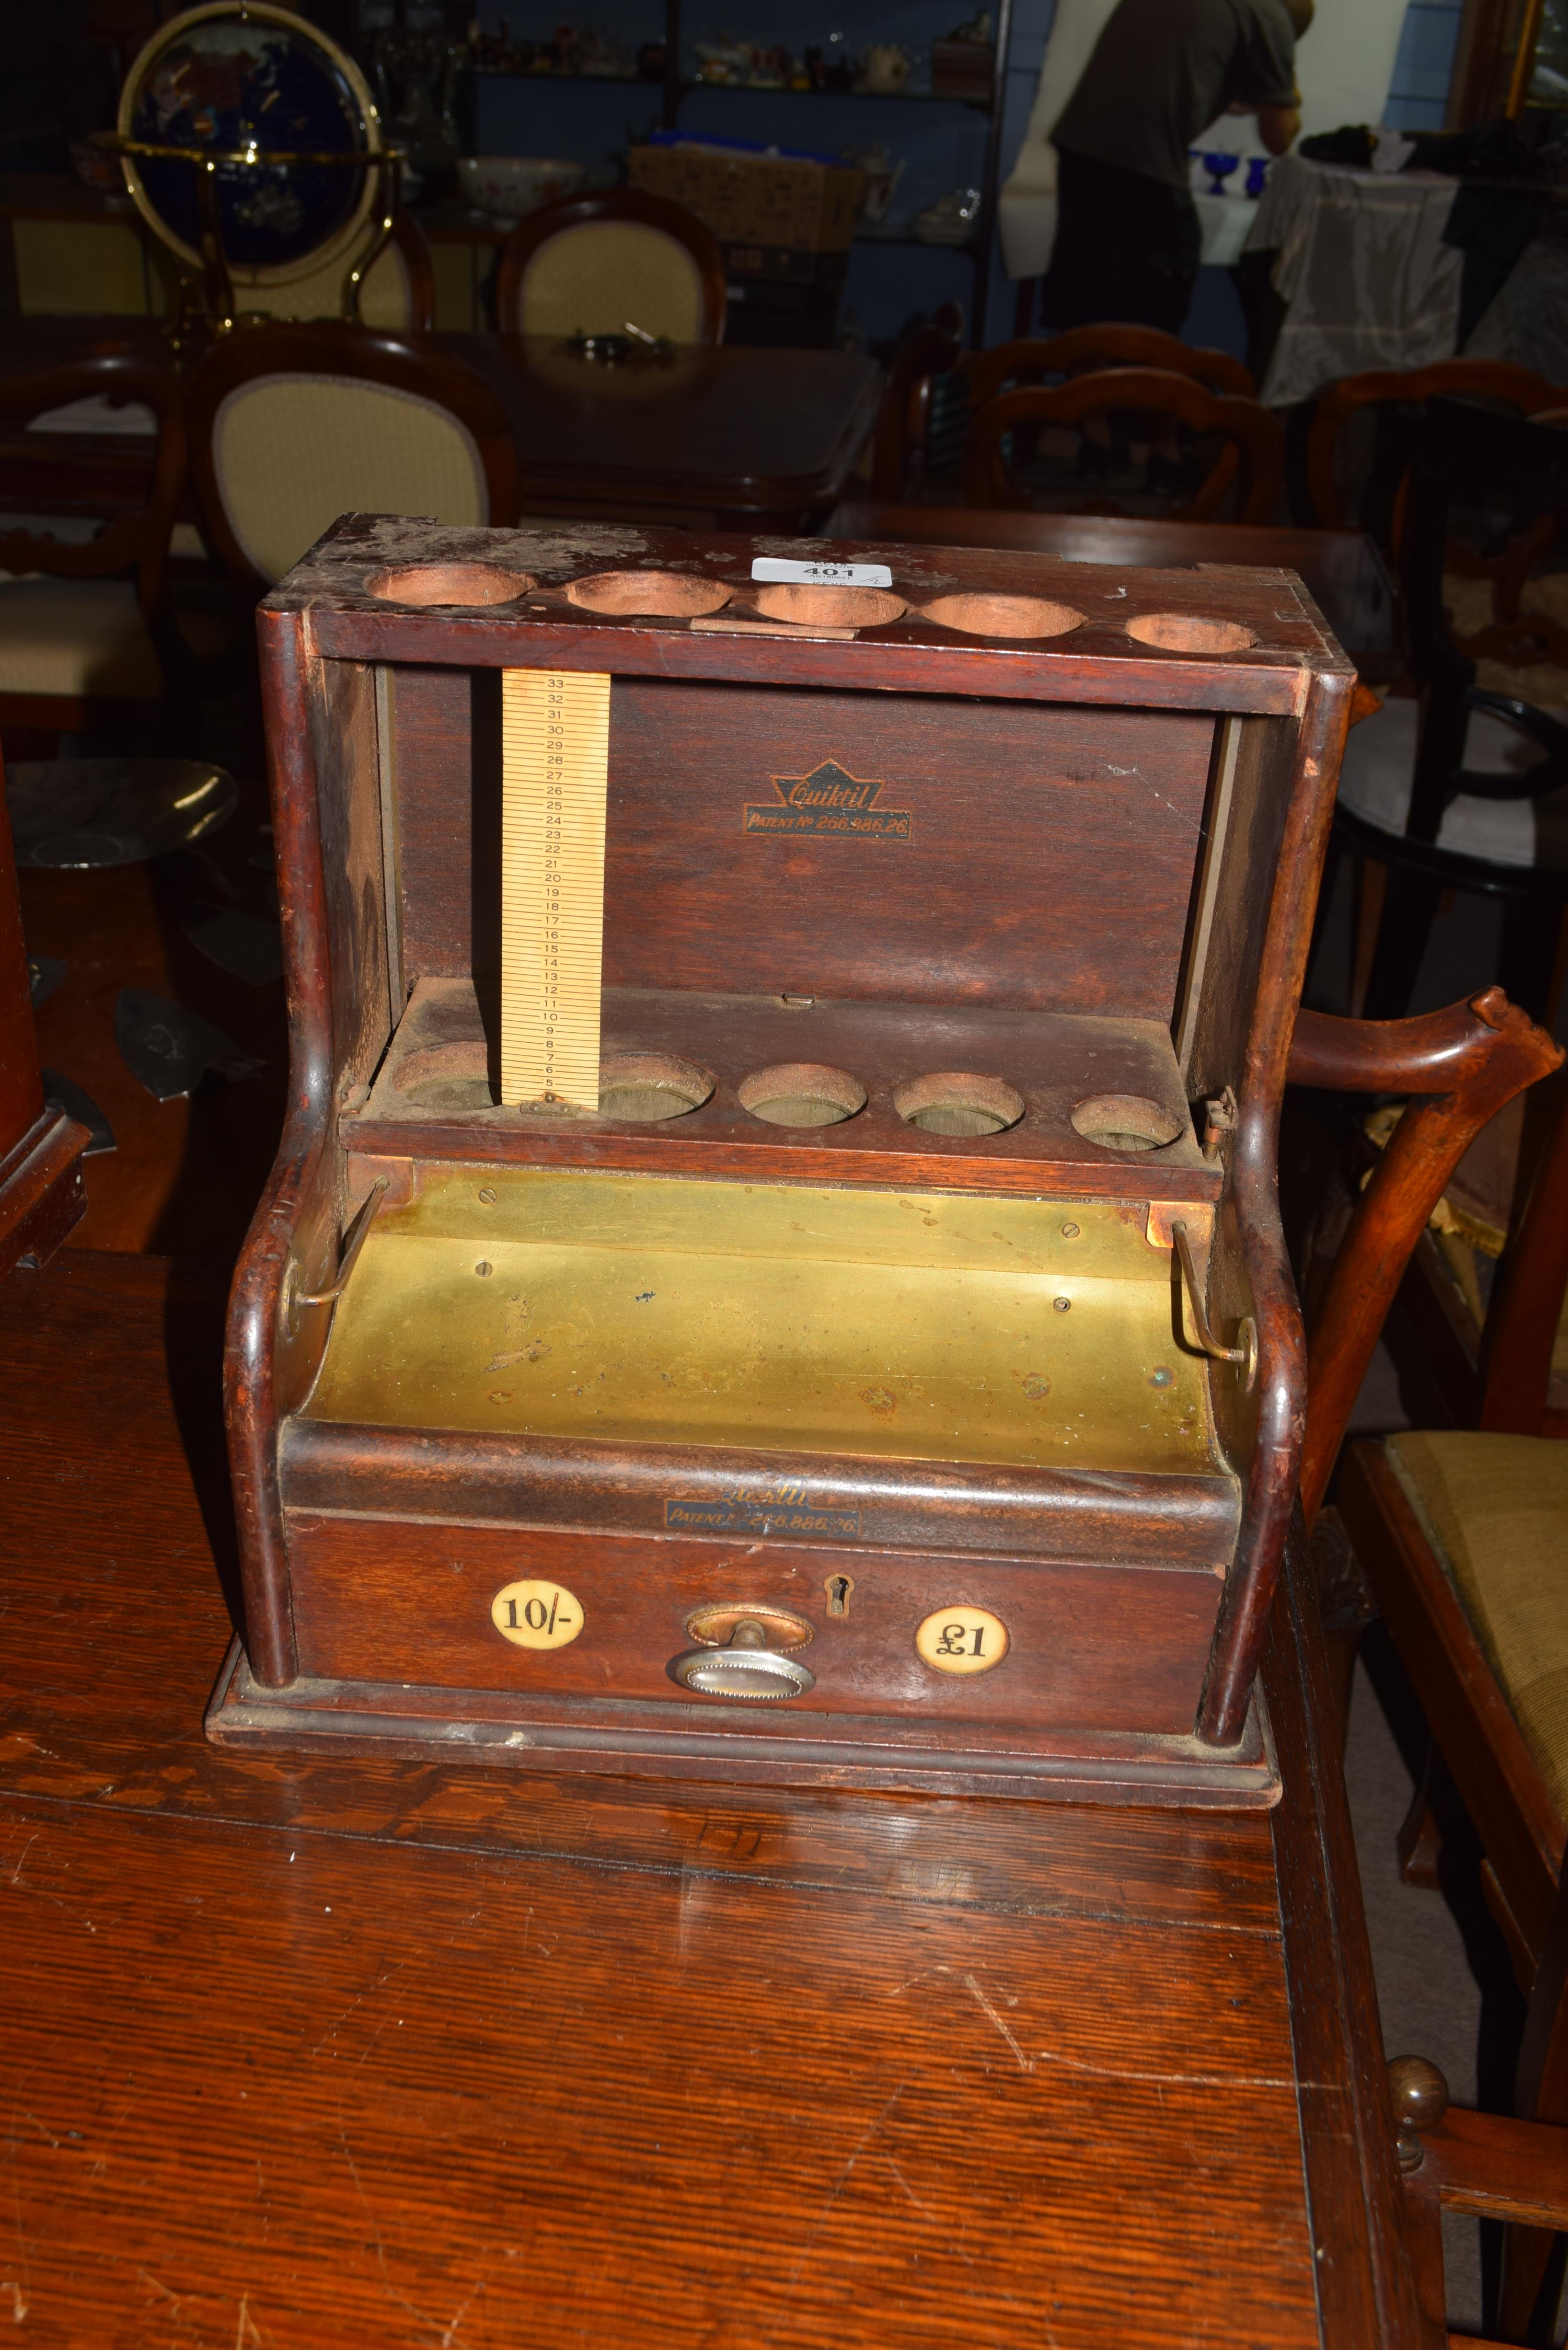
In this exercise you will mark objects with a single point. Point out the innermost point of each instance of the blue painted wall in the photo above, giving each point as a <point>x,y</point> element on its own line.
<point>1419,93</point>
<point>943,146</point>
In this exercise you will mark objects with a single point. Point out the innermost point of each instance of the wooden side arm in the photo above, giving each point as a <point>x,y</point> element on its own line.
<point>1463,1064</point>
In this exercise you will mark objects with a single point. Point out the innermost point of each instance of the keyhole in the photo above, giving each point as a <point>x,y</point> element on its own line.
<point>838,1588</point>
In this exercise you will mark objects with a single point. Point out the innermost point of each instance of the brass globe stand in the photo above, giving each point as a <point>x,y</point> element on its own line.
<point>207,292</point>
<point>196,94</point>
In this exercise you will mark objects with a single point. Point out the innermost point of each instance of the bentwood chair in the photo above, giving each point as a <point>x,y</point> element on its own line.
<point>292,426</point>
<point>1460,791</point>
<point>595,263</point>
<point>1085,349</point>
<point>1250,436</point>
<point>1463,1534</point>
<point>87,621</point>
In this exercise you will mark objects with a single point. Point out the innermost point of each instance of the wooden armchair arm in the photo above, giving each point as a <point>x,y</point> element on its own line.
<point>1464,1063</point>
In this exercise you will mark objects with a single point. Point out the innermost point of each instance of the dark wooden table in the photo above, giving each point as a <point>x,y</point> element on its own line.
<point>751,439</point>
<point>734,439</point>
<point>348,2053</point>
<point>1344,574</point>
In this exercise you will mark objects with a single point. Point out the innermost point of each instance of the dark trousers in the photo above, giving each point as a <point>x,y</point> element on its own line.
<point>1127,249</point>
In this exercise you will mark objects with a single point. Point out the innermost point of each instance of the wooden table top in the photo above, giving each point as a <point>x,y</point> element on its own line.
<point>750,432</point>
<point>758,437</point>
<point>333,2054</point>
<point>1342,570</point>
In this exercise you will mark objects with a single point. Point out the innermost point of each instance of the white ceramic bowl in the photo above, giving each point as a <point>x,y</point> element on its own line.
<point>507,186</point>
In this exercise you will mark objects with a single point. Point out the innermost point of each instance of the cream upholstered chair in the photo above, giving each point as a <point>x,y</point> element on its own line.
<point>399,292</point>
<point>292,426</point>
<point>594,264</point>
<point>85,618</point>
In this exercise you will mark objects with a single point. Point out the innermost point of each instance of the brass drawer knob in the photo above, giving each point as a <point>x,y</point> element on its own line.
<point>745,1667</point>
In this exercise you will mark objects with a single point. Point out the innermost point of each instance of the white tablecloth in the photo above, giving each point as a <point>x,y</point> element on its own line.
<point>1363,266</point>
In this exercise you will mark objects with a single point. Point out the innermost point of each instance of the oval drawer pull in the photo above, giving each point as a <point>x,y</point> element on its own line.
<point>745,1667</point>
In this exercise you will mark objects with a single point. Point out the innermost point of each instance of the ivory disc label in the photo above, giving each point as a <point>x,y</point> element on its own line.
<point>536,1615</point>
<point>961,1640</point>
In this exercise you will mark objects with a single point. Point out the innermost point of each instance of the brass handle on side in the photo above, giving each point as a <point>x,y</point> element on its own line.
<point>1244,1353</point>
<point>295,1299</point>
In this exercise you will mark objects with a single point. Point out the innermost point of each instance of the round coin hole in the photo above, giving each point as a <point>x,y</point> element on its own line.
<point>647,595</point>
<point>801,1093</point>
<point>463,585</point>
<point>1188,632</point>
<point>446,1079</point>
<point>955,1101</point>
<point>643,1088</point>
<point>830,607</point>
<point>1125,1122</point>
<point>1003,616</point>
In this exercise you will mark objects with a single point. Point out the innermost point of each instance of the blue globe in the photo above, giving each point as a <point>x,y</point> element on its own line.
<point>234,81</point>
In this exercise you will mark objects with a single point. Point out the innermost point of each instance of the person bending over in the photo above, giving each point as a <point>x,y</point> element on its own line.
<point>1128,239</point>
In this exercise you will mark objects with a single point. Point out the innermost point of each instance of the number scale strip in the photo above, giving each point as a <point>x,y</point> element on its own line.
<point>554,757</point>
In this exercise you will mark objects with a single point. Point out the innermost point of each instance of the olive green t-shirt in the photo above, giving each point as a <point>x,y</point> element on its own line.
<point>1163,70</point>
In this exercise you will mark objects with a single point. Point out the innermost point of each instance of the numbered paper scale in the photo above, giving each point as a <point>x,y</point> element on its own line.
<point>555,776</point>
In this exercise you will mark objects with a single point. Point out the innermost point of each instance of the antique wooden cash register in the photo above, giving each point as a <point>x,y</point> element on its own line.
<point>773,1269</point>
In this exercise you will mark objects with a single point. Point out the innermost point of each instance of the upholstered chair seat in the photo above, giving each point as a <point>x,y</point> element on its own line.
<point>1495,1511</point>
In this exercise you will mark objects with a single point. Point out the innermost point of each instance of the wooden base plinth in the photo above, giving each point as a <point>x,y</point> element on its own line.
<point>725,1743</point>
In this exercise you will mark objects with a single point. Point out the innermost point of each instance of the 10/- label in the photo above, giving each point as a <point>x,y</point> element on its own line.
<point>555,749</point>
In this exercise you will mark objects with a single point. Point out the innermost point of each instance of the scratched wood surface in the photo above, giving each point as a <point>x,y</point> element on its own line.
<point>396,2054</point>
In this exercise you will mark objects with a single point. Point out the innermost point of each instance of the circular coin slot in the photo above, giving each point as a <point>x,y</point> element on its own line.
<point>1003,616</point>
<point>801,1093</point>
<point>830,607</point>
<point>446,1078</point>
<point>1187,632</point>
<point>647,595</point>
<point>646,1086</point>
<point>462,584</point>
<point>955,1101</point>
<point>716,1624</point>
<point>1125,1122</point>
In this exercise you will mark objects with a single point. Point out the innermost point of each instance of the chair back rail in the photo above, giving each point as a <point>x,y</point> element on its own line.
<point>647,217</point>
<point>464,437</point>
<point>1496,379</point>
<point>1086,349</point>
<point>1462,1065</point>
<point>1249,430</point>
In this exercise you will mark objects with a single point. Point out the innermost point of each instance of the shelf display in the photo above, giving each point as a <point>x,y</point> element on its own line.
<point>964,68</point>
